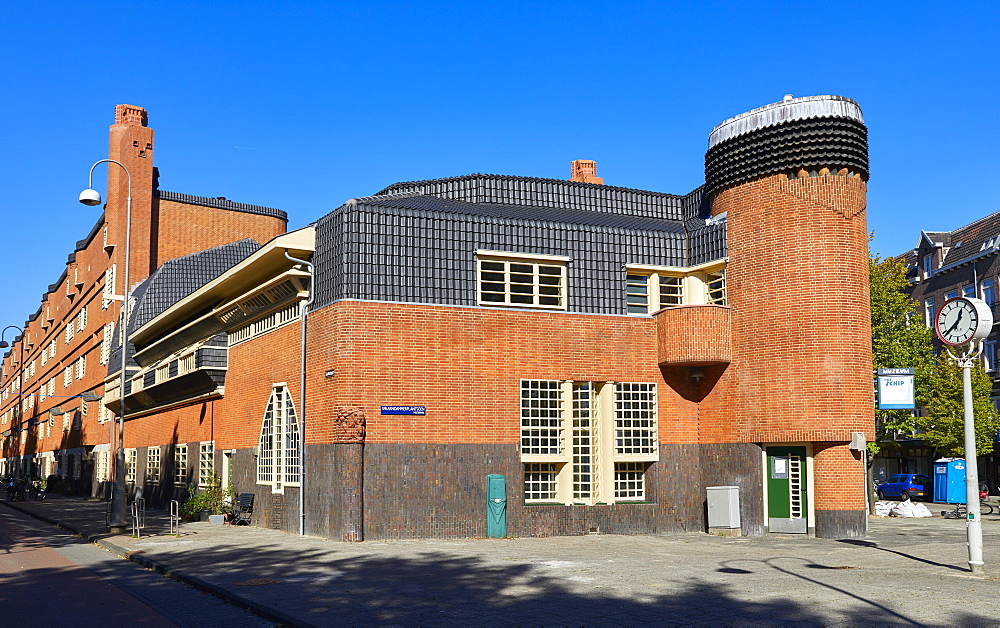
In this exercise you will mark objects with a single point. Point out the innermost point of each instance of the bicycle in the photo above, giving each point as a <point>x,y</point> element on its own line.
<point>961,510</point>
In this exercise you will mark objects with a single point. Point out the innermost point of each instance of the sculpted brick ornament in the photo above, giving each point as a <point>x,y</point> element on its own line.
<point>349,425</point>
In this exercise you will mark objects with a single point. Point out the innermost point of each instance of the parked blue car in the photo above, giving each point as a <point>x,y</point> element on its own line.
<point>906,486</point>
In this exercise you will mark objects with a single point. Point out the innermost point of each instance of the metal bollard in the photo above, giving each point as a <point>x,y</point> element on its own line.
<point>138,517</point>
<point>175,519</point>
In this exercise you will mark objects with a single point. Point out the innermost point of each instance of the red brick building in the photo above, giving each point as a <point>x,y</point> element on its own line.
<point>611,352</point>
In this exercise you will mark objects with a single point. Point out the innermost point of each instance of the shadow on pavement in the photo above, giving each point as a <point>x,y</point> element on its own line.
<point>873,545</point>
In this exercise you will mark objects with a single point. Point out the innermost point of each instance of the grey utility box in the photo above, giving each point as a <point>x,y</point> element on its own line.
<point>724,508</point>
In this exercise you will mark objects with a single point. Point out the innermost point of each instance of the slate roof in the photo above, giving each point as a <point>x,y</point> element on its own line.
<point>177,278</point>
<point>417,241</point>
<point>221,203</point>
<point>976,239</point>
<point>537,192</point>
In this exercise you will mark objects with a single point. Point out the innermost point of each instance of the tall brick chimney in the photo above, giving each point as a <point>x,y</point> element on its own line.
<point>584,171</point>
<point>131,144</point>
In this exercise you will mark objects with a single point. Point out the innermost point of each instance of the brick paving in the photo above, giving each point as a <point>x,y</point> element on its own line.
<point>908,572</point>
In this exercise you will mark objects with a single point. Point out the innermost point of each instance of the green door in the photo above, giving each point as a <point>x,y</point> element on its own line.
<point>787,500</point>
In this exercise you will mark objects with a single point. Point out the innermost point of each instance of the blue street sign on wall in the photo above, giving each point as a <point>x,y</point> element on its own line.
<point>895,389</point>
<point>416,410</point>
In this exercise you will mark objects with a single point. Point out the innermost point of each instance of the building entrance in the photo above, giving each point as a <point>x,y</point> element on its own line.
<point>787,498</point>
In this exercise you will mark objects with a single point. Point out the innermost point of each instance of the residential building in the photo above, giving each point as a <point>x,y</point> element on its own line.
<point>610,352</point>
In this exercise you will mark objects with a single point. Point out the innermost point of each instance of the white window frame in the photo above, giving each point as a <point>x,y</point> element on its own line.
<point>547,289</point>
<point>278,446</point>
<point>928,265</point>
<point>990,355</point>
<point>987,288</point>
<point>578,439</point>
<point>693,286</point>
<point>108,291</point>
<point>206,462</point>
<point>929,311</point>
<point>81,319</point>
<point>153,465</point>
<point>180,464</point>
<point>106,342</point>
<point>69,331</point>
<point>131,457</point>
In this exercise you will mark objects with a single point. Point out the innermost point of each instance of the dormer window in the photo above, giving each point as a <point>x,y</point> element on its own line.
<point>928,262</point>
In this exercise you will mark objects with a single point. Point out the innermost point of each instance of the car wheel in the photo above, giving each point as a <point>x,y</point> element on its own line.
<point>905,495</point>
<point>879,495</point>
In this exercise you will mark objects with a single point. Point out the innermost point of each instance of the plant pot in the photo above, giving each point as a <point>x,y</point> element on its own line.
<point>217,520</point>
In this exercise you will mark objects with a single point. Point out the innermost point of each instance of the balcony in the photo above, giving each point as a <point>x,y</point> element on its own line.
<point>694,335</point>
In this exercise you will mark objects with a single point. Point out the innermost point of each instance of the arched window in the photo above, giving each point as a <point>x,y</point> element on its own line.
<point>278,455</point>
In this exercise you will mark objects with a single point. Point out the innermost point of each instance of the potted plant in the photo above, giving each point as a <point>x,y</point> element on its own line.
<point>207,503</point>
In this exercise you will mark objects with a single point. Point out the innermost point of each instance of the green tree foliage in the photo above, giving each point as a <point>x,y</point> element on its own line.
<point>944,425</point>
<point>899,340</point>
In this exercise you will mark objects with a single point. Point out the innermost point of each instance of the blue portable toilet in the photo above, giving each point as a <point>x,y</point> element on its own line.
<point>949,480</point>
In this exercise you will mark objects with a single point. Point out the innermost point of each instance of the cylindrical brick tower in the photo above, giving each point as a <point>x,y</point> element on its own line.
<point>791,179</point>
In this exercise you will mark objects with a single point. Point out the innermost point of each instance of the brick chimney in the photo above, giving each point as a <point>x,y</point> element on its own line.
<point>585,171</point>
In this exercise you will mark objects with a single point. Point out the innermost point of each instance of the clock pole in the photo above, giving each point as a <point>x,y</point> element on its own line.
<point>971,323</point>
<point>974,525</point>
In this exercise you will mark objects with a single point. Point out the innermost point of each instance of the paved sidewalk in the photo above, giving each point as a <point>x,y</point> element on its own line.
<point>908,572</point>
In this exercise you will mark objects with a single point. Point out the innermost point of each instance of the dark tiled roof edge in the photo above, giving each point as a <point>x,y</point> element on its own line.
<point>510,177</point>
<point>221,203</point>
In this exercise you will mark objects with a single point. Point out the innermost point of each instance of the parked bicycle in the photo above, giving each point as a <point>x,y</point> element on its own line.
<point>23,489</point>
<point>962,512</point>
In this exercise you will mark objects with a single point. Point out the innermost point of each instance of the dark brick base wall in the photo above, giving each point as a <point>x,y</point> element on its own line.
<point>841,524</point>
<point>429,490</point>
<point>737,464</point>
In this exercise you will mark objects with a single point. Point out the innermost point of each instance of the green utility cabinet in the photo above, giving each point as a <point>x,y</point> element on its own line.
<point>496,506</point>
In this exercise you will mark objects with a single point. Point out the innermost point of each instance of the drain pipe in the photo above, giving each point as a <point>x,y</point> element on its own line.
<point>302,393</point>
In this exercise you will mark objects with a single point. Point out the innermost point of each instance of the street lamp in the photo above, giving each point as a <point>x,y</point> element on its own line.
<point>20,387</point>
<point>92,197</point>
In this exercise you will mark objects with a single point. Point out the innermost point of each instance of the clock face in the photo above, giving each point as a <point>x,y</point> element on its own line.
<point>957,322</point>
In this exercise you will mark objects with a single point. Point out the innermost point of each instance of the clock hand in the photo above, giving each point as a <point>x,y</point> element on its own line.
<point>957,321</point>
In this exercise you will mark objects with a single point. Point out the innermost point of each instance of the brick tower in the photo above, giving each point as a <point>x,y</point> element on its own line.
<point>131,143</point>
<point>790,178</point>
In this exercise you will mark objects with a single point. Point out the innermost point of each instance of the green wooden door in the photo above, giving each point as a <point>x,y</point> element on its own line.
<point>787,499</point>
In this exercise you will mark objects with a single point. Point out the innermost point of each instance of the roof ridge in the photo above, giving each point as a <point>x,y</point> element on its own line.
<point>512,177</point>
<point>221,203</point>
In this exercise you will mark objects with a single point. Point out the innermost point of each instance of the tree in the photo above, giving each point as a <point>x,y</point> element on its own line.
<point>899,340</point>
<point>944,424</point>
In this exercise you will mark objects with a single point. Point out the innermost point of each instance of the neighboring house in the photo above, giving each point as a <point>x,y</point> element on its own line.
<point>610,352</point>
<point>944,265</point>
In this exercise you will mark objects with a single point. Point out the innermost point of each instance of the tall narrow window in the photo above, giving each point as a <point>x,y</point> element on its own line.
<point>153,465</point>
<point>929,312</point>
<point>180,463</point>
<point>109,287</point>
<point>990,355</point>
<point>130,458</point>
<point>584,441</point>
<point>206,466</point>
<point>989,292</point>
<point>278,455</point>
<point>716,286</point>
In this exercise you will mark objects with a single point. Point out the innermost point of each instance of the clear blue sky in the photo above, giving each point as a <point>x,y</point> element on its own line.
<point>302,105</point>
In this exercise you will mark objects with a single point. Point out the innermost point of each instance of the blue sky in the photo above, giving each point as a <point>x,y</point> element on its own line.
<point>302,105</point>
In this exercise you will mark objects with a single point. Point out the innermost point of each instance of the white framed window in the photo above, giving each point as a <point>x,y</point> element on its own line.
<point>81,366</point>
<point>81,319</point>
<point>278,452</point>
<point>131,456</point>
<point>109,287</point>
<point>153,465</point>
<point>106,342</point>
<point>520,280</point>
<point>990,355</point>
<point>68,376</point>
<point>587,442</point>
<point>45,356</point>
<point>52,348</point>
<point>928,264</point>
<point>929,312</point>
<point>101,464</point>
<point>180,463</point>
<point>69,331</point>
<point>715,285</point>
<point>988,291</point>
<point>206,463</point>
<point>648,293</point>
<point>52,386</point>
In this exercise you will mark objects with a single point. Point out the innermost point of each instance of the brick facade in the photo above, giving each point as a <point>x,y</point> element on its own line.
<point>401,318</point>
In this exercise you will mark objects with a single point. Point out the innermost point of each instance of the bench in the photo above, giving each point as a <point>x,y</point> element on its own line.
<point>242,509</point>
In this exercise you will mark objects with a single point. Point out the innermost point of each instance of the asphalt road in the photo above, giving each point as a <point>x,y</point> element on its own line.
<point>49,578</point>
